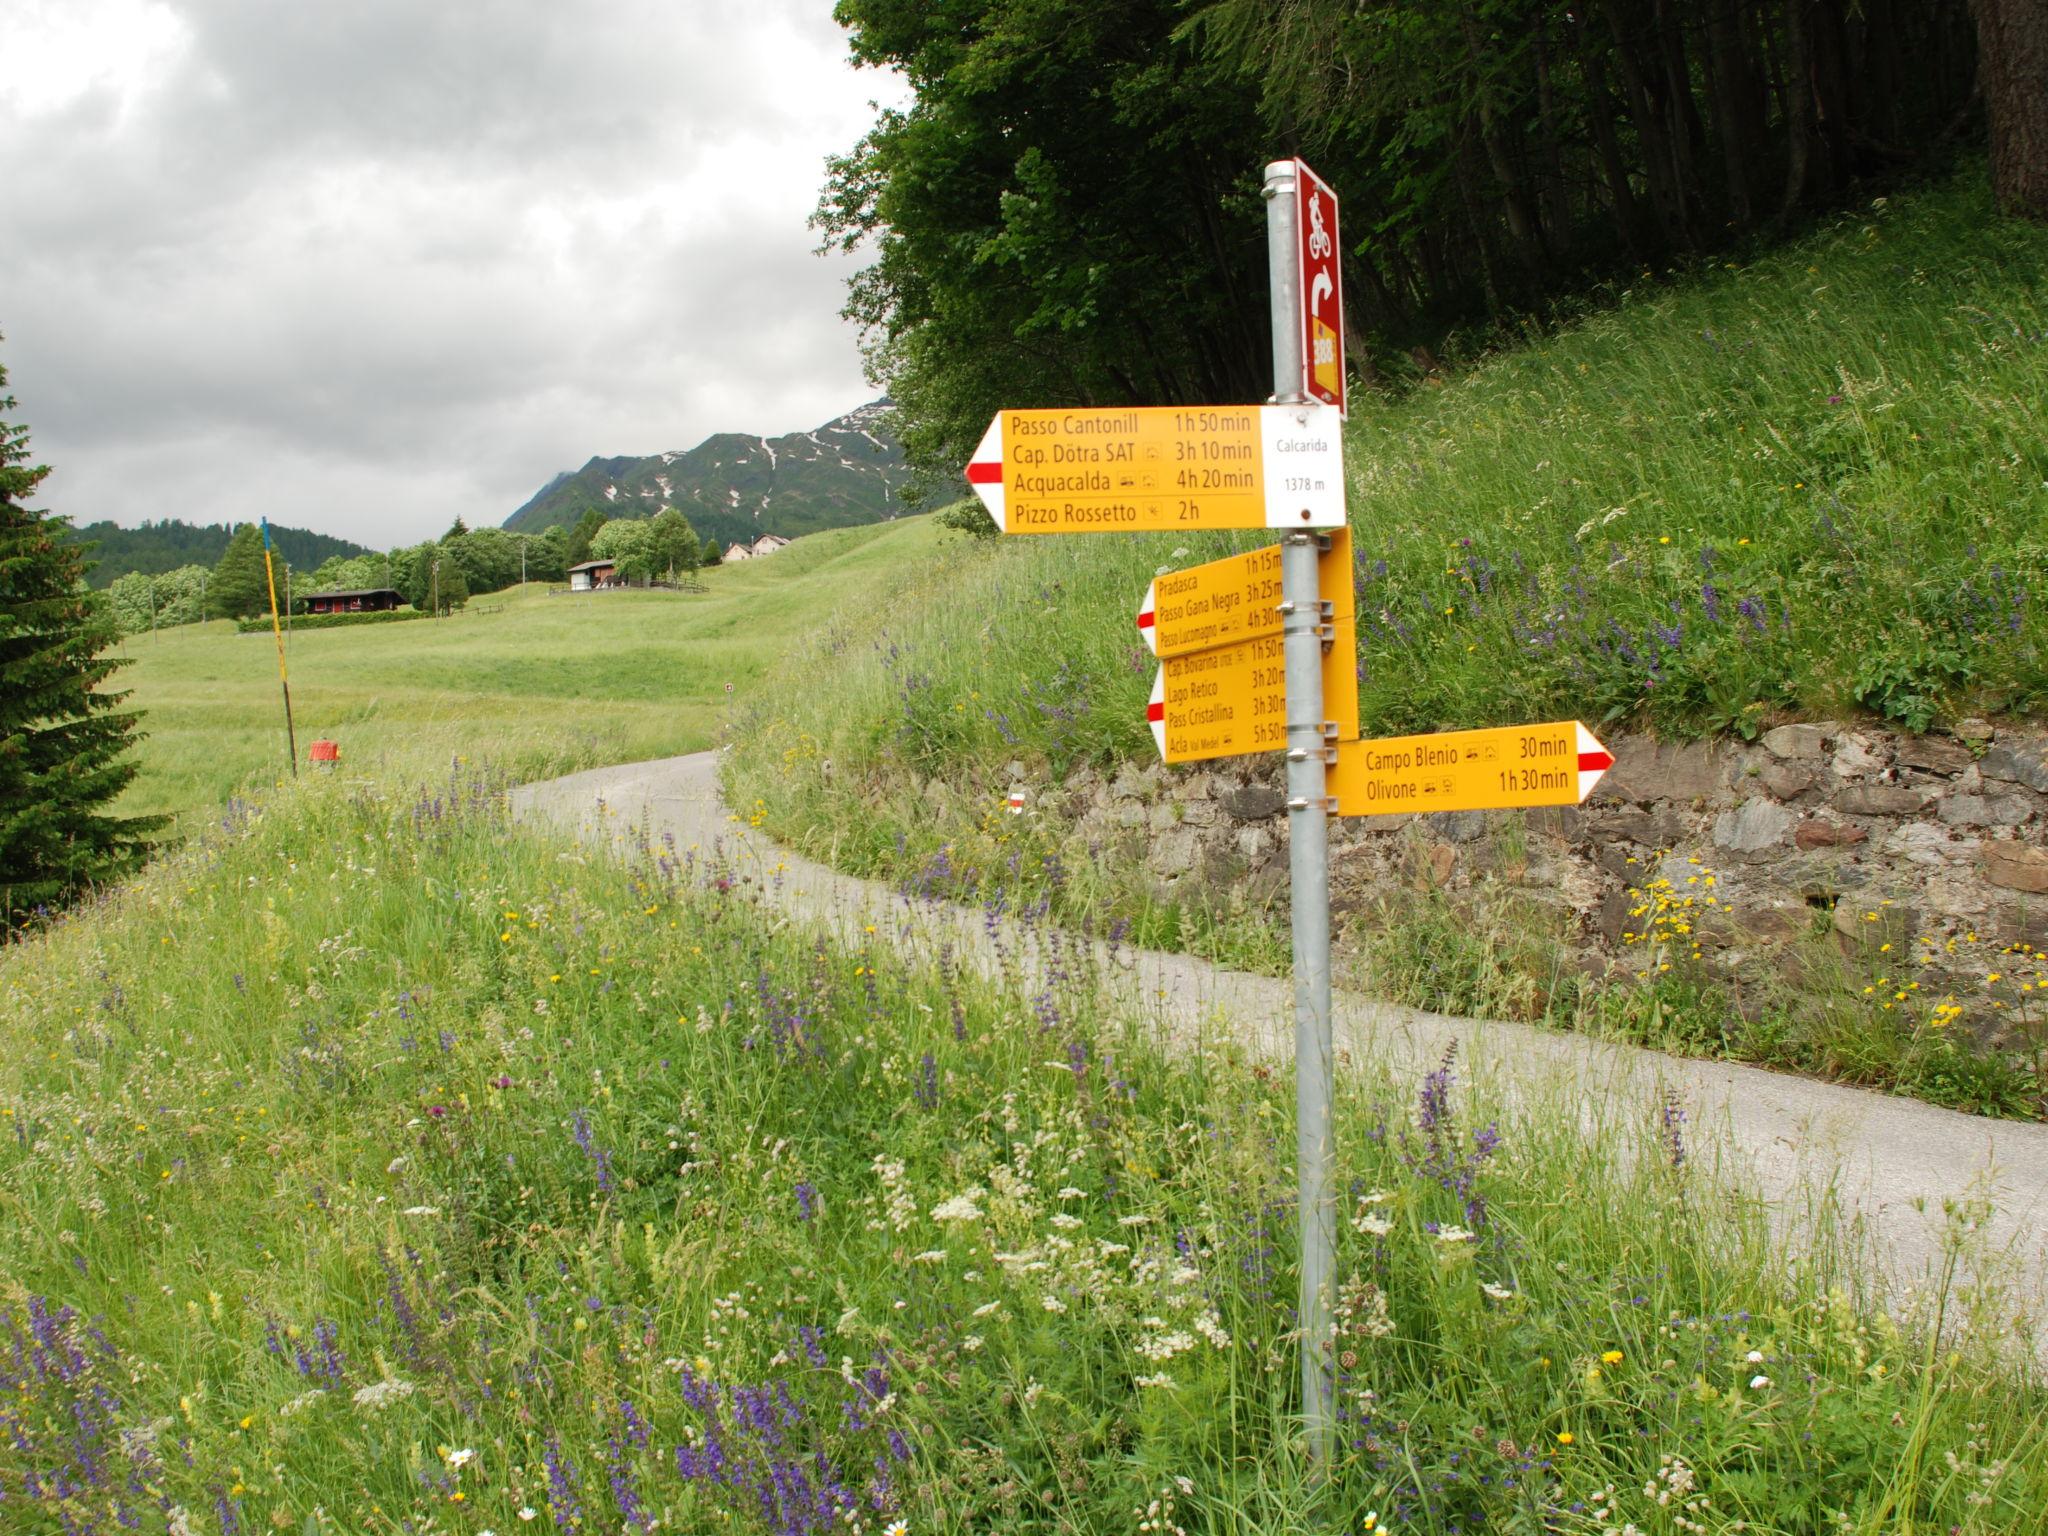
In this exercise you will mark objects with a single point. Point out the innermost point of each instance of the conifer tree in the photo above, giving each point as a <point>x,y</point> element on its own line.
<point>64,745</point>
<point>239,588</point>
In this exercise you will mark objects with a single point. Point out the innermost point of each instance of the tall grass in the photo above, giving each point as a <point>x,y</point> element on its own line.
<point>373,1165</point>
<point>545,684</point>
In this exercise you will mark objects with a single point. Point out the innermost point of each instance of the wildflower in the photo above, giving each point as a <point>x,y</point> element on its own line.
<point>1759,1383</point>
<point>457,1460</point>
<point>528,1512</point>
<point>1564,1437</point>
<point>961,1207</point>
<point>382,1394</point>
<point>1497,1292</point>
<point>897,1528</point>
<point>1451,1233</point>
<point>1611,1357</point>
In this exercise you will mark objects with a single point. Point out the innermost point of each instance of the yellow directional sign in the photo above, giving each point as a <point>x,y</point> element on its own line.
<point>1230,600</point>
<point>1232,699</point>
<point>1514,765</point>
<point>1161,469</point>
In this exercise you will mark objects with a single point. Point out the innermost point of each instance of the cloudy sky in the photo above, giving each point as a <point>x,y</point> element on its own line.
<point>365,265</point>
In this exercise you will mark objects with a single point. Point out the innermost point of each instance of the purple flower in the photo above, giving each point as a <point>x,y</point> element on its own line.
<point>806,1202</point>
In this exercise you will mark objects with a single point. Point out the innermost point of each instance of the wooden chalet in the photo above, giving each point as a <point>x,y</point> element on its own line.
<point>361,600</point>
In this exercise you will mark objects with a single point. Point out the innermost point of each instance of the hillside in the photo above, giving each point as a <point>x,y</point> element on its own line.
<point>1811,488</point>
<point>736,488</point>
<point>534,684</point>
<point>153,548</point>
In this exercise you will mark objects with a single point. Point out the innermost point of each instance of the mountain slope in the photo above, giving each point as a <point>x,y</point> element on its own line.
<point>153,548</point>
<point>736,487</point>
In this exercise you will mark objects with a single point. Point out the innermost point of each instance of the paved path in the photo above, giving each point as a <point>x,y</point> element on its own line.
<point>1892,1161</point>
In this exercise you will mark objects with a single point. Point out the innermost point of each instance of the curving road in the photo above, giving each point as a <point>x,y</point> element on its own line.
<point>1895,1163</point>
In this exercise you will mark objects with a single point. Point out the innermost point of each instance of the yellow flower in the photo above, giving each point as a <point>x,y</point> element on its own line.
<point>1611,1357</point>
<point>1564,1437</point>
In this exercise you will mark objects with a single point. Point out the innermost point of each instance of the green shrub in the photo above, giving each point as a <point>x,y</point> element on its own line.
<point>261,626</point>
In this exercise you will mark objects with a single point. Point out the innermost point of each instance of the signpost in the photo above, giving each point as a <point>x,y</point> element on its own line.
<point>1242,645</point>
<point>1230,700</point>
<point>1161,469</point>
<point>1322,280</point>
<point>1509,766</point>
<point>1230,600</point>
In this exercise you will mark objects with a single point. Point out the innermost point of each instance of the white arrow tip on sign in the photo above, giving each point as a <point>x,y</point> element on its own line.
<point>1147,615</point>
<point>1594,759</point>
<point>985,472</point>
<point>1155,711</point>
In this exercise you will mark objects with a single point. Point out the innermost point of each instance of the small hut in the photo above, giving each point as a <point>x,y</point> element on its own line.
<point>593,574</point>
<point>359,600</point>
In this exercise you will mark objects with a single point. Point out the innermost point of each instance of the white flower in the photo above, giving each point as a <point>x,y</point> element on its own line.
<point>421,1210</point>
<point>1157,1379</point>
<point>527,1512</point>
<point>302,1402</point>
<point>961,1207</point>
<point>988,1307</point>
<point>897,1528</point>
<point>1497,1292</point>
<point>1377,1197</point>
<point>1033,1392</point>
<point>1053,1304</point>
<point>1065,1222</point>
<point>1134,1221</point>
<point>382,1394</point>
<point>1373,1224</point>
<point>971,1344</point>
<point>1454,1234</point>
<point>931,1256</point>
<point>1071,1193</point>
<point>1755,1357</point>
<point>1758,1383</point>
<point>181,1522</point>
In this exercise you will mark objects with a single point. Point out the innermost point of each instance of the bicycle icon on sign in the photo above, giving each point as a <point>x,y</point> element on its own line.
<point>1318,237</point>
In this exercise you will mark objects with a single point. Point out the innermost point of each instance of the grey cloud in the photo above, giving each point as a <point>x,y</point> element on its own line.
<point>392,263</point>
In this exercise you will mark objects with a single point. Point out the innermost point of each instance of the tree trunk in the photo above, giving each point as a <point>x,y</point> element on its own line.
<point>1737,107</point>
<point>1600,114</point>
<point>1802,139</point>
<point>1557,203</point>
<point>2012,63</point>
<point>1522,221</point>
<point>1646,106</point>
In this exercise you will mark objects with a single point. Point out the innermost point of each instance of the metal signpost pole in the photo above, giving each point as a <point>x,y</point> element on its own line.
<point>1308,853</point>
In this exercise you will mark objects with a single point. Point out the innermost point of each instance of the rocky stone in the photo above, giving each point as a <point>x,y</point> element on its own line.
<point>1786,781</point>
<point>1628,823</point>
<point>1647,770</point>
<point>1128,813</point>
<point>1135,783</point>
<point>1200,813</point>
<point>1253,843</point>
<point>1920,842</point>
<point>1934,754</point>
<point>1458,826</point>
<point>1194,787</point>
<point>1880,800</point>
<point>2018,763</point>
<point>1856,754</point>
<point>1173,853</point>
<point>1800,741</point>
<point>1976,730</point>
<point>1616,860</point>
<point>1165,816</point>
<point>1250,802</point>
<point>1757,825</point>
<point>1983,810</point>
<point>2013,866</point>
<point>1566,821</point>
<point>1773,923</point>
<point>1815,833</point>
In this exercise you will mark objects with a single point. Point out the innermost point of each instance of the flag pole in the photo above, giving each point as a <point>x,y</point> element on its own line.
<point>270,576</point>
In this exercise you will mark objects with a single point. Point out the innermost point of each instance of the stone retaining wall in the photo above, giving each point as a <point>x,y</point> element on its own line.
<point>1881,838</point>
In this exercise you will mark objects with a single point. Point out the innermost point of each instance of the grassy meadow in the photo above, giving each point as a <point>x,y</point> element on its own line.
<point>540,684</point>
<point>372,1165</point>
<point>1810,486</point>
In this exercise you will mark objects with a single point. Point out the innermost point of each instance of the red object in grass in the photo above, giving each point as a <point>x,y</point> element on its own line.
<point>324,752</point>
